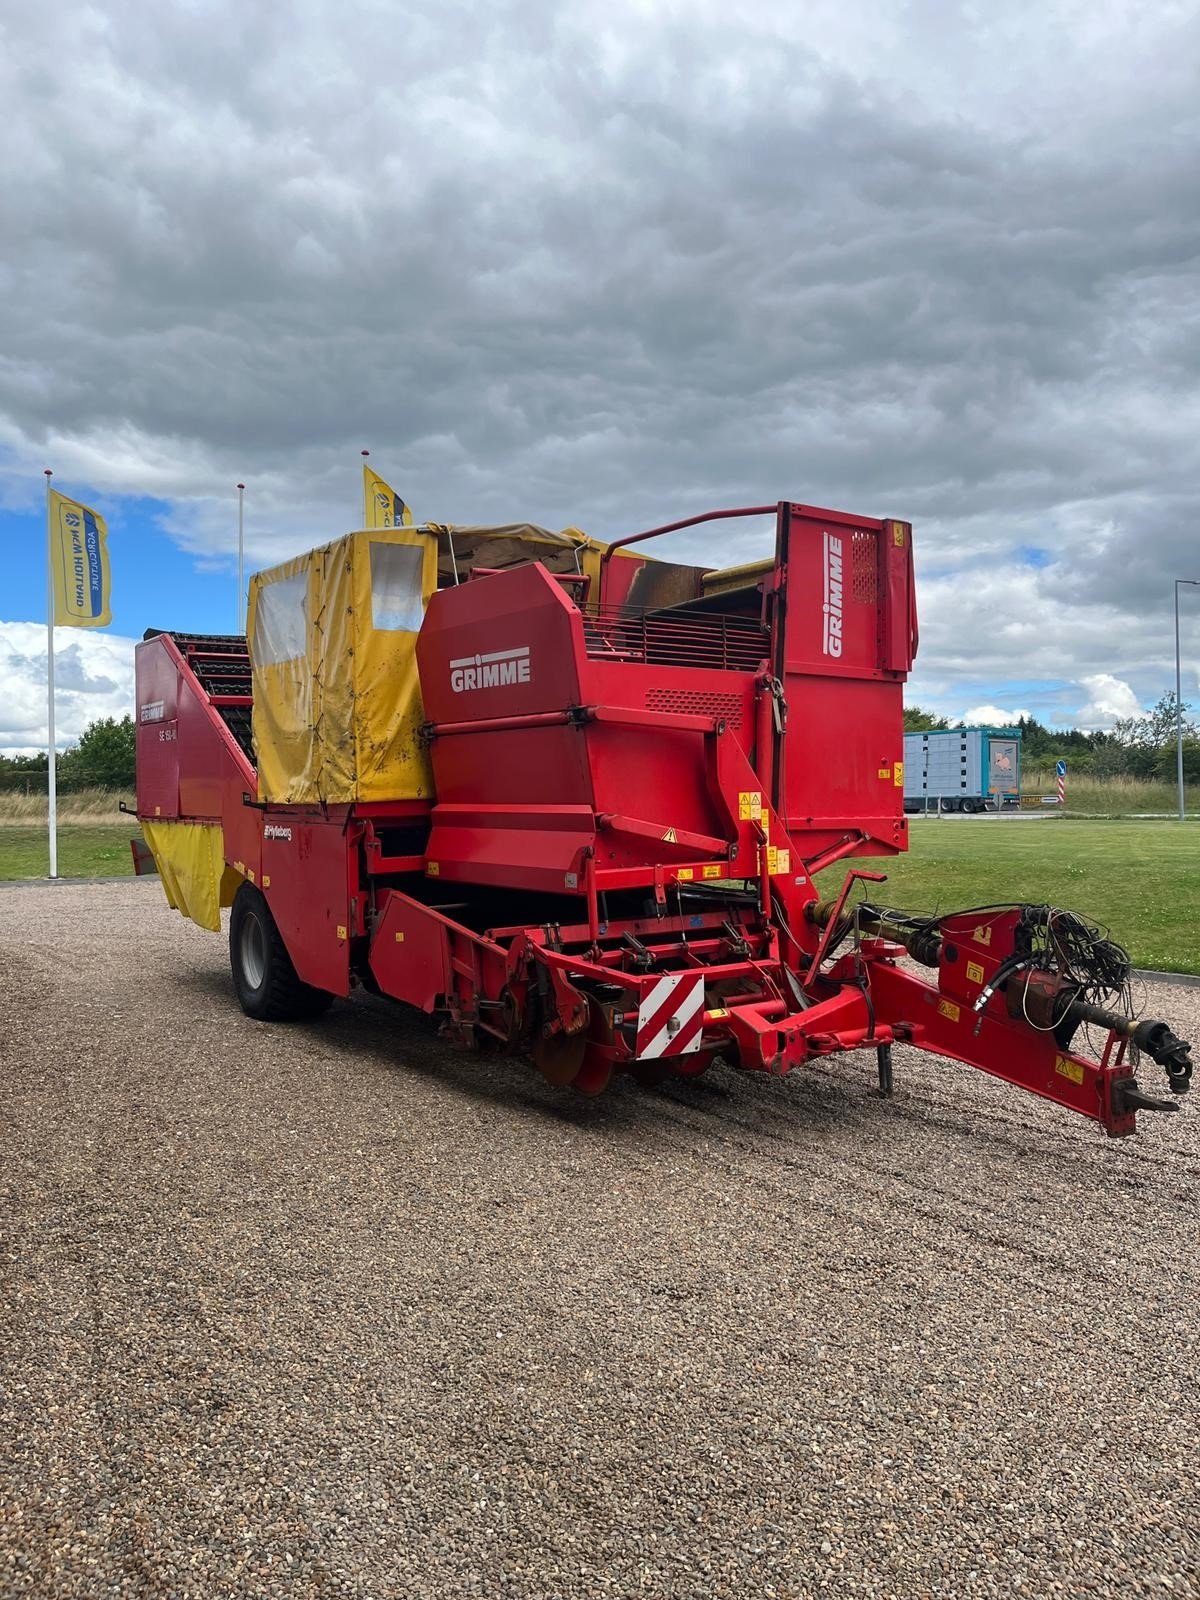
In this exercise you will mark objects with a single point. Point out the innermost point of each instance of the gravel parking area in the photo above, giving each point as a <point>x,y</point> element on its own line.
<point>339,1310</point>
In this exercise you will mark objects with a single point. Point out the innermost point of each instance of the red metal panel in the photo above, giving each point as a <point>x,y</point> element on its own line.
<point>516,846</point>
<point>846,605</point>
<point>156,672</point>
<point>899,642</point>
<point>189,763</point>
<point>410,953</point>
<point>425,959</point>
<point>205,764</point>
<point>512,767</point>
<point>305,876</point>
<point>834,595</point>
<point>661,774</point>
<point>506,646</point>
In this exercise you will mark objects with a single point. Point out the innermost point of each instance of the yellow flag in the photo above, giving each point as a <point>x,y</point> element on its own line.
<point>79,564</point>
<point>382,506</point>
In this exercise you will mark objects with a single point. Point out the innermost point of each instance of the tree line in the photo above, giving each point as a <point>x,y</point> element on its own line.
<point>102,759</point>
<point>1135,747</point>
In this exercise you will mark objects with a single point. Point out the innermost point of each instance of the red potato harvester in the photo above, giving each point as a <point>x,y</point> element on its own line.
<point>574,800</point>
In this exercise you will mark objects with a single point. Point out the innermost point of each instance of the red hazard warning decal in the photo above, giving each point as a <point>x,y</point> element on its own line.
<point>671,1016</point>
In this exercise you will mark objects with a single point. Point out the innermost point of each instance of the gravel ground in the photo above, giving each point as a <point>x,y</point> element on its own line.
<point>338,1310</point>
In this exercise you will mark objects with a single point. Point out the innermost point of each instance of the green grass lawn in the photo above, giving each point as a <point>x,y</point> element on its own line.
<point>1140,880</point>
<point>84,851</point>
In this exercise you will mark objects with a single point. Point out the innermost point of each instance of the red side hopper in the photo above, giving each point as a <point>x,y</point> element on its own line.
<point>195,767</point>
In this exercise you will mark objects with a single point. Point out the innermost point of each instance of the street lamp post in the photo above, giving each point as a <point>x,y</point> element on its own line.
<point>1195,583</point>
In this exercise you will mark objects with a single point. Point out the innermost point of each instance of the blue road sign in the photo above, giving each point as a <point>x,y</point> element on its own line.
<point>1060,768</point>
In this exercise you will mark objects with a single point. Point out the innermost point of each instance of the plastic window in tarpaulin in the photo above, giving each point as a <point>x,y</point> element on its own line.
<point>278,629</point>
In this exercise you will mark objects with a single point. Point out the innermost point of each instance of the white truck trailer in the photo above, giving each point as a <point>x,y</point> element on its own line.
<point>962,769</point>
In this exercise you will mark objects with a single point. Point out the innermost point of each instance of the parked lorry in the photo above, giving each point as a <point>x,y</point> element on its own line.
<point>962,769</point>
<point>576,801</point>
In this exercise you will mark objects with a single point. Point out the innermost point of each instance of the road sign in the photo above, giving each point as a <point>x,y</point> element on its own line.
<point>1060,768</point>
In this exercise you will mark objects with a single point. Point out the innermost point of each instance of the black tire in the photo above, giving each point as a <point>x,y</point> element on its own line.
<point>263,975</point>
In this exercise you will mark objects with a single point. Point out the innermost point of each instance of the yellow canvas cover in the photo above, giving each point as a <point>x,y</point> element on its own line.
<point>332,638</point>
<point>190,857</point>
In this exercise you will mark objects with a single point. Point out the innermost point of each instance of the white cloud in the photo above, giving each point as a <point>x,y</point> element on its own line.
<point>1111,699</point>
<point>615,263</point>
<point>93,678</point>
<point>992,716</point>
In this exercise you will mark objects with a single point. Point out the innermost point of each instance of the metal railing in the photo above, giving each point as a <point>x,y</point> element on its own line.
<point>675,639</point>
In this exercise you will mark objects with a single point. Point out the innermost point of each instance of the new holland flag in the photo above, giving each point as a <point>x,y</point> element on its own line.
<point>382,506</point>
<point>79,564</point>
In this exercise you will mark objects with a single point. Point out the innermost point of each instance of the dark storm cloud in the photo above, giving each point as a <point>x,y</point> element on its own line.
<point>604,266</point>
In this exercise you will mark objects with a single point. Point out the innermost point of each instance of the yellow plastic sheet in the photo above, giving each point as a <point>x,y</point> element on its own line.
<point>337,701</point>
<point>190,857</point>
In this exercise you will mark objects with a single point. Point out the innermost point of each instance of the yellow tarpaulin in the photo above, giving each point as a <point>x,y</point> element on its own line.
<point>337,702</point>
<point>190,857</point>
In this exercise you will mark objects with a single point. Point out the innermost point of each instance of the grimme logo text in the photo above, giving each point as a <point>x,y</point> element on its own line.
<point>832,607</point>
<point>490,671</point>
<point>274,831</point>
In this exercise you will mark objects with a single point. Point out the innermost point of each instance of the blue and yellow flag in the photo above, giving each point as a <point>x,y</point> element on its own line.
<point>382,506</point>
<point>79,564</point>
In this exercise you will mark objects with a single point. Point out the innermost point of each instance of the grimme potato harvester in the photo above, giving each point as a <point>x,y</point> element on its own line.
<point>575,800</point>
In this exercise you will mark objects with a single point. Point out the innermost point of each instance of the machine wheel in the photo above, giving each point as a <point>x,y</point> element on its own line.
<point>559,1056</point>
<point>263,975</point>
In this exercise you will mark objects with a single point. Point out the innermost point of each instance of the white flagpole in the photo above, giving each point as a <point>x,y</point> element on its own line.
<point>241,557</point>
<point>52,791</point>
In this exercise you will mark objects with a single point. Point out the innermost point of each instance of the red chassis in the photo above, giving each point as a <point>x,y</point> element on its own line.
<point>632,802</point>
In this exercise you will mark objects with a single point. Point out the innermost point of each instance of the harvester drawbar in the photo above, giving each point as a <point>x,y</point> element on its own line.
<point>574,800</point>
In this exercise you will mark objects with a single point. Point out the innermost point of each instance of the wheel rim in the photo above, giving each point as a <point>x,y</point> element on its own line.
<point>254,951</point>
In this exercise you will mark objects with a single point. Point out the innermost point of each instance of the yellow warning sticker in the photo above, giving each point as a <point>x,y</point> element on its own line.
<point>947,1008</point>
<point>670,837</point>
<point>399,938</point>
<point>710,872</point>
<point>266,880</point>
<point>685,874</point>
<point>750,805</point>
<point>974,972</point>
<point>1066,1068</point>
<point>778,860</point>
<point>897,535</point>
<point>885,772</point>
<point>715,1014</point>
<point>898,774</point>
<point>982,935</point>
<point>432,869</point>
<point>341,930</point>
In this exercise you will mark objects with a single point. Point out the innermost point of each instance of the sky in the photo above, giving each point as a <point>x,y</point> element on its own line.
<point>609,265</point>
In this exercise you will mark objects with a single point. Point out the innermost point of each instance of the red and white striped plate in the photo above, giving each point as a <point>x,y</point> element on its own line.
<point>671,1016</point>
